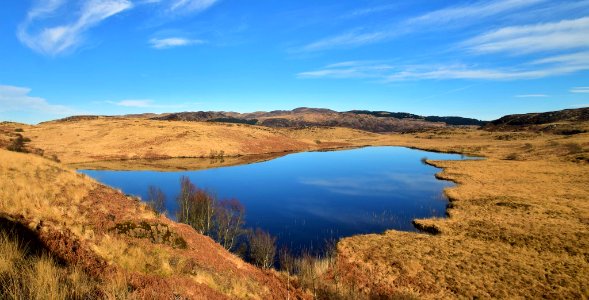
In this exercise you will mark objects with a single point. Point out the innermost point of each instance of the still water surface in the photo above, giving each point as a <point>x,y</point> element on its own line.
<point>305,199</point>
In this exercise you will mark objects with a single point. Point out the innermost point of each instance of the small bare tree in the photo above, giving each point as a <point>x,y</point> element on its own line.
<point>229,219</point>
<point>287,263</point>
<point>286,260</point>
<point>156,199</point>
<point>196,206</point>
<point>204,209</point>
<point>185,205</point>
<point>262,248</point>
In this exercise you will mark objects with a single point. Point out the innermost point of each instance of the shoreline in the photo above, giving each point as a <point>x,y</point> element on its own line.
<point>517,218</point>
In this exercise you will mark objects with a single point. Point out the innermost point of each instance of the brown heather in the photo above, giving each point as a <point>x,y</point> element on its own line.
<point>518,224</point>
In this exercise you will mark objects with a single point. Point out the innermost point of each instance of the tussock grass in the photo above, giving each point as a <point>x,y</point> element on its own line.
<point>24,275</point>
<point>118,138</point>
<point>52,199</point>
<point>42,190</point>
<point>517,227</point>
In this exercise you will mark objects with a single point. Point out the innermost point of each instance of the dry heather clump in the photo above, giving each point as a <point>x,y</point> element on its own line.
<point>573,148</point>
<point>29,273</point>
<point>93,228</point>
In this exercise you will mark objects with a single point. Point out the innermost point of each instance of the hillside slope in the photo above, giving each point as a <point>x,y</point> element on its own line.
<point>108,234</point>
<point>517,227</point>
<point>567,121</point>
<point>112,138</point>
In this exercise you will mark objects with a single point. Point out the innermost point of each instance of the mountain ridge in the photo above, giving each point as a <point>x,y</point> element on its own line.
<point>373,121</point>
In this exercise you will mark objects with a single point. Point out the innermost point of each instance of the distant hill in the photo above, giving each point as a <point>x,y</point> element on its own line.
<point>573,115</point>
<point>200,116</point>
<point>561,121</point>
<point>373,121</point>
<point>403,115</point>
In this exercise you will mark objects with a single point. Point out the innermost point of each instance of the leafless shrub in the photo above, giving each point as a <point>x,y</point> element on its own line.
<point>196,206</point>
<point>286,261</point>
<point>216,154</point>
<point>18,144</point>
<point>221,220</point>
<point>553,143</point>
<point>262,248</point>
<point>229,219</point>
<point>573,148</point>
<point>156,199</point>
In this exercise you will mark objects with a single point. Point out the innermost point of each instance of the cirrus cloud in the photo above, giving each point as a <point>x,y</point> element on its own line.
<point>524,39</point>
<point>171,42</point>
<point>580,89</point>
<point>53,40</point>
<point>531,96</point>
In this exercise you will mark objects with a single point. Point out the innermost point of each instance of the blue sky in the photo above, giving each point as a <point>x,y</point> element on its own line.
<point>480,59</point>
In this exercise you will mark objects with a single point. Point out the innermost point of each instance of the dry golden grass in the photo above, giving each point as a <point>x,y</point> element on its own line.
<point>107,139</point>
<point>27,275</point>
<point>39,189</point>
<point>518,225</point>
<point>175,164</point>
<point>76,216</point>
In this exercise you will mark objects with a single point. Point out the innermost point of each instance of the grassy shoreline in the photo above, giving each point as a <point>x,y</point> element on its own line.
<point>517,225</point>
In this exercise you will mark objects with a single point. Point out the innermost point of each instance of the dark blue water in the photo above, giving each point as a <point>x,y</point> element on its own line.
<point>305,199</point>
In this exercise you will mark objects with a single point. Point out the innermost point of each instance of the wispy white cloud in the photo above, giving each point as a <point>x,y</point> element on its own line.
<point>456,16</point>
<point>351,69</point>
<point>350,39</point>
<point>133,103</point>
<point>531,96</point>
<point>172,42</point>
<point>385,72</point>
<point>191,6</point>
<point>54,27</point>
<point>576,58</point>
<point>472,72</point>
<point>580,89</point>
<point>14,98</point>
<point>477,10</point>
<point>147,103</point>
<point>53,40</point>
<point>561,35</point>
<point>370,10</point>
<point>580,105</point>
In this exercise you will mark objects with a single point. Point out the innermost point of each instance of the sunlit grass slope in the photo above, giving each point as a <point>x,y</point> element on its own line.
<point>121,138</point>
<point>517,227</point>
<point>91,234</point>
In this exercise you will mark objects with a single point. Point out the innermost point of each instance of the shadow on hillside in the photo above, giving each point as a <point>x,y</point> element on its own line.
<point>32,245</point>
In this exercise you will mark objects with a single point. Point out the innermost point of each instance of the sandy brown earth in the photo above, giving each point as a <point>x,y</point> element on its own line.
<point>518,224</point>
